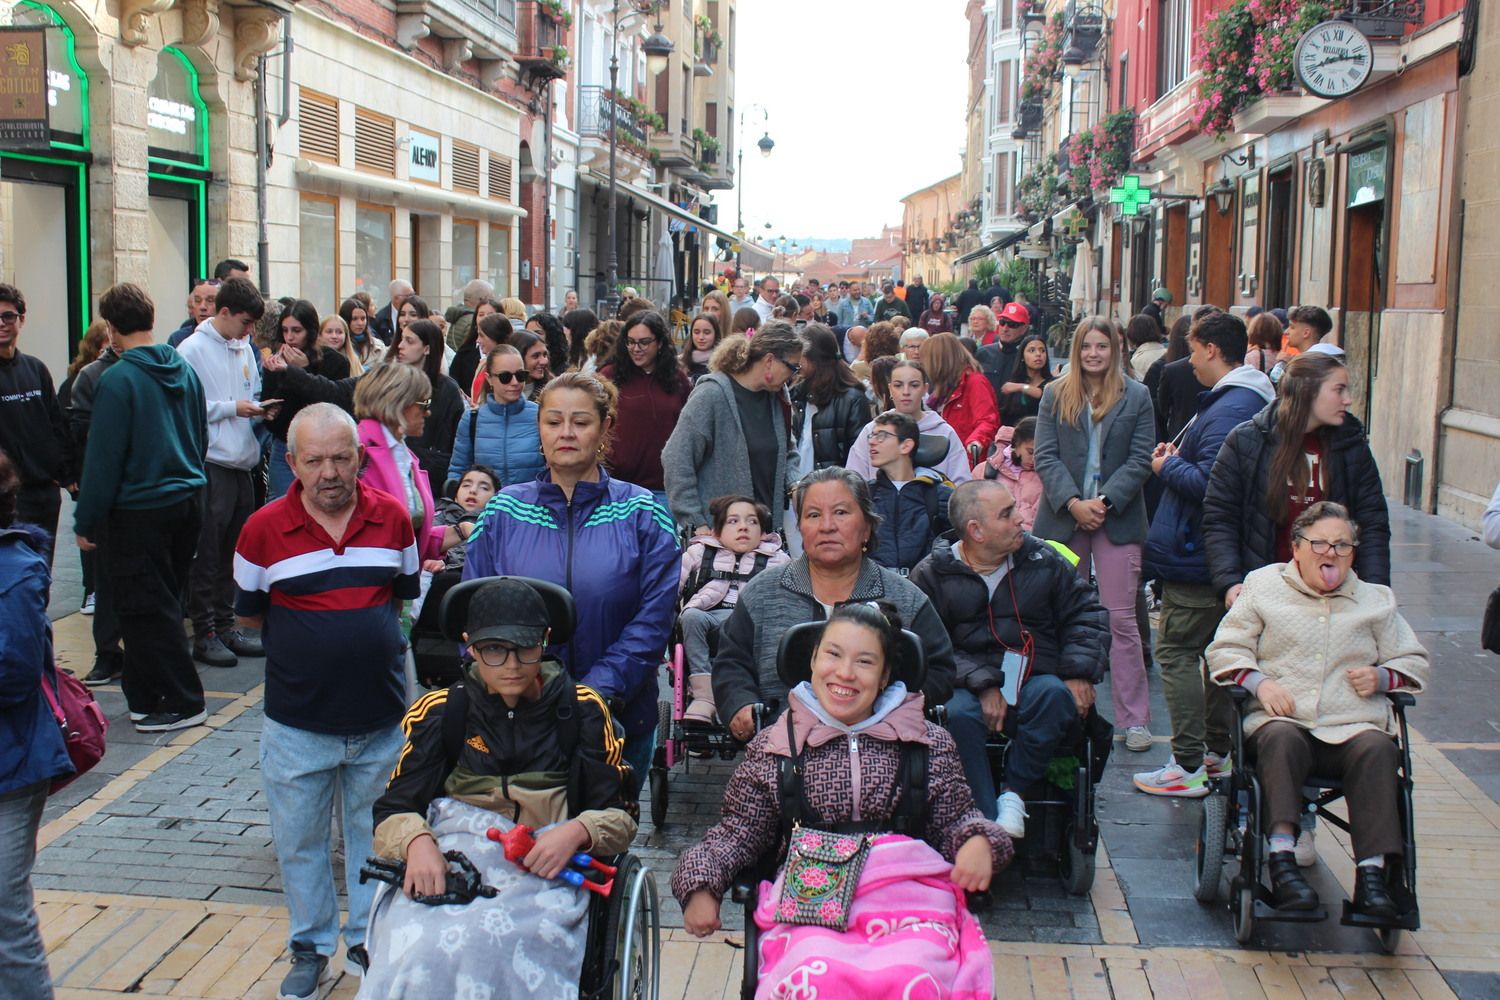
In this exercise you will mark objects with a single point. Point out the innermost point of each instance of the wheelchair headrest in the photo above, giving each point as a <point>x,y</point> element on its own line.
<point>930,451</point>
<point>795,652</point>
<point>453,616</point>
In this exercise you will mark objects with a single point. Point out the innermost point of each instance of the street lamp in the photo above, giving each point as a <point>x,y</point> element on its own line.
<point>1223,194</point>
<point>766,144</point>
<point>658,50</point>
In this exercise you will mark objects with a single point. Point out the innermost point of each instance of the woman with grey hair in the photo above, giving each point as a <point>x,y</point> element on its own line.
<point>836,517</point>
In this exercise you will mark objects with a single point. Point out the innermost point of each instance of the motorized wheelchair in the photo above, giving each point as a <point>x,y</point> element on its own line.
<point>1062,819</point>
<point>622,957</point>
<point>1231,826</point>
<point>794,665</point>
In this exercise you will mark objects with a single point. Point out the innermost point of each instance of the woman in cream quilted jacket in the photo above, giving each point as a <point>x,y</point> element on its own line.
<point>1318,648</point>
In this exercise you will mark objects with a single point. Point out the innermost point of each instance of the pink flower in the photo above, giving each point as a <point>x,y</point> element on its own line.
<point>830,910</point>
<point>813,878</point>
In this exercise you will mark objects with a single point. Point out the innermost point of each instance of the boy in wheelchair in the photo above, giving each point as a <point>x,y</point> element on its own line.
<point>516,742</point>
<point>1318,649</point>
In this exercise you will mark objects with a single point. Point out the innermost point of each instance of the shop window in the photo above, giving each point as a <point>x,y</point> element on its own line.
<point>465,167</point>
<point>374,142</point>
<point>465,252</point>
<point>499,259</point>
<point>374,235</point>
<point>500,177</point>
<point>319,235</point>
<point>318,126</point>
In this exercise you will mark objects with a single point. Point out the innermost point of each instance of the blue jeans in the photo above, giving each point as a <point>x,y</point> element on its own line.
<point>637,753</point>
<point>279,474</point>
<point>302,771</point>
<point>23,958</point>
<point>1037,727</point>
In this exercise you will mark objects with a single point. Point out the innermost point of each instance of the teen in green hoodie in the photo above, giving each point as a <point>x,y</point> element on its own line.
<point>138,501</point>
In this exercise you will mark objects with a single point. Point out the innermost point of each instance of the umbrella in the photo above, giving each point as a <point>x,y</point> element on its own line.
<point>1083,291</point>
<point>666,266</point>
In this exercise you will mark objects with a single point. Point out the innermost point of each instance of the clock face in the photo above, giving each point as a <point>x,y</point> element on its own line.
<point>1333,59</point>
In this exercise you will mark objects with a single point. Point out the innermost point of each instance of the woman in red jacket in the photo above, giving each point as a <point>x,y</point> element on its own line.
<point>961,394</point>
<point>653,390</point>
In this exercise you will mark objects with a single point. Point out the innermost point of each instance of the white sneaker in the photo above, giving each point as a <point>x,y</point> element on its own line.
<point>1012,814</point>
<point>1305,851</point>
<point>1138,738</point>
<point>1174,779</point>
<point>88,604</point>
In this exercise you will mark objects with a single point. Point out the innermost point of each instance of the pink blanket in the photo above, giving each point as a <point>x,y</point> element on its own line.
<point>910,936</point>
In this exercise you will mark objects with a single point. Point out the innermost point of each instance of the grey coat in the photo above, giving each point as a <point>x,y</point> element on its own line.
<point>744,670</point>
<point>1127,435</point>
<point>707,457</point>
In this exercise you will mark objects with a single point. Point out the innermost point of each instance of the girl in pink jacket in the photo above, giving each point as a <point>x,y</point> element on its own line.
<point>1014,462</point>
<point>714,569</point>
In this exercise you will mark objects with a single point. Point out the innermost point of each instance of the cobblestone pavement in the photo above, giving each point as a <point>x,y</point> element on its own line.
<point>157,874</point>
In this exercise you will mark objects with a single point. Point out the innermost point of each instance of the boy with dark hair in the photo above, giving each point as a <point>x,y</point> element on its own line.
<point>1190,607</point>
<point>32,429</point>
<point>143,471</point>
<point>913,508</point>
<point>1306,326</point>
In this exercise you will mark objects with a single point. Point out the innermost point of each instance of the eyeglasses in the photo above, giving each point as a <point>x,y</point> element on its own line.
<point>795,368</point>
<point>633,344</point>
<point>1322,548</point>
<point>494,654</point>
<point>506,378</point>
<point>425,404</point>
<point>880,437</point>
<point>10,317</point>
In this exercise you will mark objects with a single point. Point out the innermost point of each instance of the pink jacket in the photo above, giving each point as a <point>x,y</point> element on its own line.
<point>381,473</point>
<point>1025,485</point>
<point>723,592</point>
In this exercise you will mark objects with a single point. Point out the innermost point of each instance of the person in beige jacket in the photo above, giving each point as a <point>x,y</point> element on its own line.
<point>1318,648</point>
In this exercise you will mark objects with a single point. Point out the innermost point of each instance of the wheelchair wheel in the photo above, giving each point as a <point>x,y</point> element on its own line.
<point>1244,914</point>
<point>1209,856</point>
<point>635,934</point>
<point>659,794</point>
<point>1075,868</point>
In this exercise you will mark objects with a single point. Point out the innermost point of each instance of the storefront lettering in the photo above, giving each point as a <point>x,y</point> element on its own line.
<point>424,157</point>
<point>23,75</point>
<point>170,116</point>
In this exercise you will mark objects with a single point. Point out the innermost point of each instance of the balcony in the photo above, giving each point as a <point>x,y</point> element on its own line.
<point>541,38</point>
<point>599,113</point>
<point>477,29</point>
<point>675,150</point>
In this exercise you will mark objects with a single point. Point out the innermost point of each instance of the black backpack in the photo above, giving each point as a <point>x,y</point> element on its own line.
<point>908,795</point>
<point>706,572</point>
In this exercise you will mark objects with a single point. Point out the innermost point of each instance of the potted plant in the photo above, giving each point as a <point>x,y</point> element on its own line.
<point>1246,52</point>
<point>556,11</point>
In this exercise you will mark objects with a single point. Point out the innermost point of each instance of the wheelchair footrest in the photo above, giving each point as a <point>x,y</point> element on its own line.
<point>1409,921</point>
<point>1265,911</point>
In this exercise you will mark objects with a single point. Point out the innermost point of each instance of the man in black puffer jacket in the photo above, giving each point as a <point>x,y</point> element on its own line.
<point>1001,591</point>
<point>1238,533</point>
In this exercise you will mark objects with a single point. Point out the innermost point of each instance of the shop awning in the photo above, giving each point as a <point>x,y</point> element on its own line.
<point>755,256</point>
<point>409,191</point>
<point>994,247</point>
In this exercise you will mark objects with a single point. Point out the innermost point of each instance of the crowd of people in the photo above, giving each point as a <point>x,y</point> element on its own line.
<point>290,482</point>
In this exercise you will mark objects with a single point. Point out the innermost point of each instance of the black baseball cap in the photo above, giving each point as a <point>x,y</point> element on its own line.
<point>510,611</point>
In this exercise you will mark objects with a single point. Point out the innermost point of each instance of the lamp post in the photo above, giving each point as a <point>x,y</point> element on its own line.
<point>658,49</point>
<point>766,144</point>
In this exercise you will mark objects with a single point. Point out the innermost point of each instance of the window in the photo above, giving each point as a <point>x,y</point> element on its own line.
<point>465,252</point>
<point>499,271</point>
<point>1005,185</point>
<point>729,38</point>
<point>1007,15</point>
<point>1124,101</point>
<point>374,231</point>
<point>1004,92</point>
<point>1174,44</point>
<point>319,233</point>
<point>317,126</point>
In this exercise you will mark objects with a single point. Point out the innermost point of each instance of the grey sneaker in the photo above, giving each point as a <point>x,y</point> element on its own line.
<point>1138,738</point>
<point>209,650</point>
<point>308,970</point>
<point>242,642</point>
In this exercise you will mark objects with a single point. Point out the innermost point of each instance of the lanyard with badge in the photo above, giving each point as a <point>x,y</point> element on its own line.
<point>1015,664</point>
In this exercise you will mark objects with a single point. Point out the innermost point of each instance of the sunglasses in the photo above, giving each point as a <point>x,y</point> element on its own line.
<point>1013,326</point>
<point>506,378</point>
<point>425,404</point>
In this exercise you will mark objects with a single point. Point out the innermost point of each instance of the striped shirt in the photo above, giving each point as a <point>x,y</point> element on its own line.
<point>332,629</point>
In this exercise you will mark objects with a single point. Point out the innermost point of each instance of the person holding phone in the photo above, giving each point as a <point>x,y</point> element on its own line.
<point>223,358</point>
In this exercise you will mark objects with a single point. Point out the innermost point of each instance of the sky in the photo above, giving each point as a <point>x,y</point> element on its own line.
<point>866,105</point>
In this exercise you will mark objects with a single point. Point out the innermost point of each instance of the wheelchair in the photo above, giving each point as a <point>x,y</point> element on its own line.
<point>622,957</point>
<point>793,665</point>
<point>1230,826</point>
<point>436,657</point>
<point>1062,819</point>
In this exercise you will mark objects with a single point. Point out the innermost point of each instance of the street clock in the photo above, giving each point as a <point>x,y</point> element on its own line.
<point>1333,59</point>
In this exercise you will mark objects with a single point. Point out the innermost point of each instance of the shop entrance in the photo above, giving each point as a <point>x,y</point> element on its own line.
<point>39,212</point>
<point>1364,273</point>
<point>1280,244</point>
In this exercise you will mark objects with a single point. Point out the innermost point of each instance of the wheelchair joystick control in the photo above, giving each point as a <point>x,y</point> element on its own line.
<point>518,842</point>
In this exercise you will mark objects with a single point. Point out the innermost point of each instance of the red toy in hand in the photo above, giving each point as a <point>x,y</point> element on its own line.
<point>518,842</point>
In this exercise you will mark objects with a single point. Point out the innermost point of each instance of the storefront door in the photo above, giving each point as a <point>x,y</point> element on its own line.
<point>1364,274</point>
<point>39,213</point>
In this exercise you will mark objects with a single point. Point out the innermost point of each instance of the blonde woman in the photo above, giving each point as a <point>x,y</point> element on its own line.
<point>333,335</point>
<point>1095,433</point>
<point>982,325</point>
<point>514,310</point>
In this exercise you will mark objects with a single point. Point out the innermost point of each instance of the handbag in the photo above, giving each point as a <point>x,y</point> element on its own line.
<point>822,872</point>
<point>1489,632</point>
<point>81,720</point>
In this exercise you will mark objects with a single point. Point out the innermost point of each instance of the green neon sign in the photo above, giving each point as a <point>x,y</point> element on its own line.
<point>47,17</point>
<point>166,112</point>
<point>1130,196</point>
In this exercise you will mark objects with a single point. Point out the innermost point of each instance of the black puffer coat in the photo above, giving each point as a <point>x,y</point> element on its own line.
<point>834,426</point>
<point>1239,535</point>
<point>1063,614</point>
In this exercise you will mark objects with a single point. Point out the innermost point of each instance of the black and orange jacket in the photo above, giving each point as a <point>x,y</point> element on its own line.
<point>512,762</point>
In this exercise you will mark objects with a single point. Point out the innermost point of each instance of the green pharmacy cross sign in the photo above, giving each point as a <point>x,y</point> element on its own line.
<point>1130,196</point>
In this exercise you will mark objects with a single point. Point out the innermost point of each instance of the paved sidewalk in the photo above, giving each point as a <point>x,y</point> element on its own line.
<point>157,876</point>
